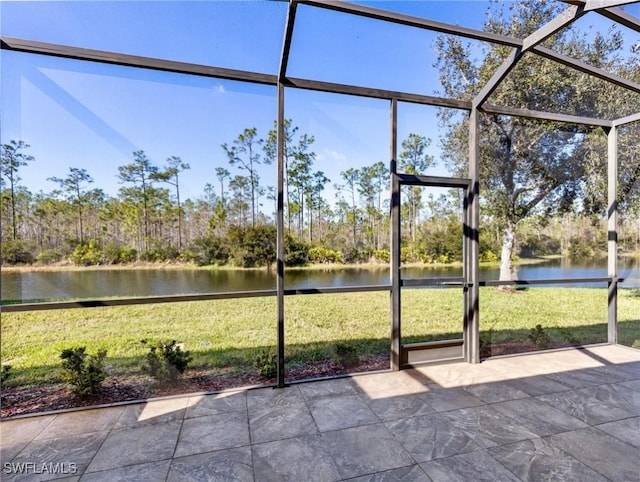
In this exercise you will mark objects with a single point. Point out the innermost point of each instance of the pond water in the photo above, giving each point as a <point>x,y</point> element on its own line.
<point>60,285</point>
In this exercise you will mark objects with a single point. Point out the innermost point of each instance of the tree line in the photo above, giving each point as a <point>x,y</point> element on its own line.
<point>148,220</point>
<point>233,222</point>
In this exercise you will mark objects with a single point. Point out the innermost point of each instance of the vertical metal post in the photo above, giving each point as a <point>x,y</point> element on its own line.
<point>395,241</point>
<point>280,237</point>
<point>466,265</point>
<point>282,73</point>
<point>612,229</point>
<point>472,332</point>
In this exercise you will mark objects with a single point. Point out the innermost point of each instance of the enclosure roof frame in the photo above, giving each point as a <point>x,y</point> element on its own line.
<point>531,45</point>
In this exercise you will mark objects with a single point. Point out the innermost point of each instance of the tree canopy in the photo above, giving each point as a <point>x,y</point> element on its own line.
<point>527,166</point>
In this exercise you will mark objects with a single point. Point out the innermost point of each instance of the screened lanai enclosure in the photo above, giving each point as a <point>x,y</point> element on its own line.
<point>420,143</point>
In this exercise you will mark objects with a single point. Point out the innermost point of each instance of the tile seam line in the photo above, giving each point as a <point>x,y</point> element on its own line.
<point>567,455</point>
<point>486,451</point>
<point>583,463</point>
<point>175,447</point>
<point>124,466</point>
<point>84,471</point>
<point>306,404</point>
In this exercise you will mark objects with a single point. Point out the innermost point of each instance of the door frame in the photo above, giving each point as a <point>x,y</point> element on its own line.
<point>446,350</point>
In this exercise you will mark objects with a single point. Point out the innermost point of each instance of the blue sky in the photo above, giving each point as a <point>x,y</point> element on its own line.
<point>78,114</point>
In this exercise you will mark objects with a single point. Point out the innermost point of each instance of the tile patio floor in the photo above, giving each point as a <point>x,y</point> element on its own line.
<point>564,415</point>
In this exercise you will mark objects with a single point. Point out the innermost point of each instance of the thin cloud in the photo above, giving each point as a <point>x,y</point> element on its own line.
<point>331,155</point>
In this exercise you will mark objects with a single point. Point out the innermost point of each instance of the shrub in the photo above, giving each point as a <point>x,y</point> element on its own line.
<point>486,338</point>
<point>15,251</point>
<point>580,248</point>
<point>296,252</point>
<point>439,241</point>
<point>115,253</point>
<point>539,337</point>
<point>539,245</point>
<point>488,256</point>
<point>442,259</point>
<point>166,361</point>
<point>346,356</point>
<point>320,254</point>
<point>252,246</point>
<point>49,256</point>
<point>160,251</point>
<point>406,255</point>
<point>86,254</point>
<point>5,374</point>
<point>382,255</point>
<point>85,373</point>
<point>266,363</point>
<point>207,250</point>
<point>356,254</point>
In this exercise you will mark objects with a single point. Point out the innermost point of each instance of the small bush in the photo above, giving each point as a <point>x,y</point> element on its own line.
<point>15,251</point>
<point>488,256</point>
<point>486,338</point>
<point>296,252</point>
<point>407,255</point>
<point>115,253</point>
<point>207,250</point>
<point>49,256</point>
<point>581,248</point>
<point>539,337</point>
<point>346,356</point>
<point>252,246</point>
<point>382,255</point>
<point>537,244</point>
<point>356,254</point>
<point>85,373</point>
<point>5,374</point>
<point>266,363</point>
<point>166,361</point>
<point>87,254</point>
<point>320,254</point>
<point>160,251</point>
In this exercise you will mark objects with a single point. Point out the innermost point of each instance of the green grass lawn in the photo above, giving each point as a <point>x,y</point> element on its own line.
<point>225,335</point>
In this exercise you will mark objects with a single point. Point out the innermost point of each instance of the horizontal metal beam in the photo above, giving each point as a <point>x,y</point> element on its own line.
<point>376,93</point>
<point>76,53</point>
<point>635,281</point>
<point>626,120</point>
<point>600,4</point>
<point>439,282</point>
<point>65,305</point>
<point>411,21</point>
<point>539,115</point>
<point>89,55</point>
<point>544,281</point>
<point>337,289</point>
<point>434,181</point>
<point>587,69</point>
<point>621,17</point>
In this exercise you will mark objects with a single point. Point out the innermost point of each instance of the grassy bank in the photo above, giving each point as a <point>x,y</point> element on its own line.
<point>225,335</point>
<point>140,265</point>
